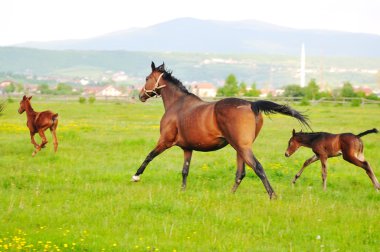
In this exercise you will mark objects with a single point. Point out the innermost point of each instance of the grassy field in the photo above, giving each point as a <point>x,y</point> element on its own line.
<point>81,198</point>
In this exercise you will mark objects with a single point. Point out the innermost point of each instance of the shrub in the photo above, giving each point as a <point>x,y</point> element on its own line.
<point>91,99</point>
<point>356,102</point>
<point>82,100</point>
<point>305,102</point>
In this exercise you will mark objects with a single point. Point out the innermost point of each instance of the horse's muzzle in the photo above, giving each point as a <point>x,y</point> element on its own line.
<point>142,98</point>
<point>287,154</point>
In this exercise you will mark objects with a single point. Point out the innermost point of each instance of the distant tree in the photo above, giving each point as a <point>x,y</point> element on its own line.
<point>44,89</point>
<point>63,88</point>
<point>242,88</point>
<point>253,92</point>
<point>294,91</point>
<point>10,88</point>
<point>19,87</point>
<point>311,91</point>
<point>347,90</point>
<point>230,87</point>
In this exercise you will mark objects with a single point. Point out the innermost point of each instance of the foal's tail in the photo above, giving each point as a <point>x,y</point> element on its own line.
<point>374,130</point>
<point>268,107</point>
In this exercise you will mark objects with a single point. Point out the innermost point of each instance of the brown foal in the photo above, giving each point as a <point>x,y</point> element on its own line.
<point>39,122</point>
<point>194,124</point>
<point>326,145</point>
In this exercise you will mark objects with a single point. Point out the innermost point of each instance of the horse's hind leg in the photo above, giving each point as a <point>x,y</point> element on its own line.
<point>186,166</point>
<point>240,172</point>
<point>365,165</point>
<point>307,163</point>
<point>53,130</point>
<point>324,171</point>
<point>250,160</point>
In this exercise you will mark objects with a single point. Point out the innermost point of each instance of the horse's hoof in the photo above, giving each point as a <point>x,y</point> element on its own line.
<point>135,178</point>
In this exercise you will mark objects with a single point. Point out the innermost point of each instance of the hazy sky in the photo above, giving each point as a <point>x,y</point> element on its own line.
<point>44,20</point>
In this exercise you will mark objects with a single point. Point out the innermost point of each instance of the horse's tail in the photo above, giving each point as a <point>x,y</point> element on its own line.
<point>374,130</point>
<point>268,107</point>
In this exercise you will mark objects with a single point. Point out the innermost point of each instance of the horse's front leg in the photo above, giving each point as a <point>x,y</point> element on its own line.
<point>32,140</point>
<point>43,143</point>
<point>307,162</point>
<point>155,152</point>
<point>186,166</point>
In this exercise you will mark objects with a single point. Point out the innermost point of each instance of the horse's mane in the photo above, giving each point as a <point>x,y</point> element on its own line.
<point>169,77</point>
<point>311,136</point>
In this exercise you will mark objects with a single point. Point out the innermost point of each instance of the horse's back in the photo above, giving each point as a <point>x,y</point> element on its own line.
<point>46,118</point>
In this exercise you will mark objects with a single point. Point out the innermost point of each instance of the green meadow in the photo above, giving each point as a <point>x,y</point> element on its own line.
<point>82,199</point>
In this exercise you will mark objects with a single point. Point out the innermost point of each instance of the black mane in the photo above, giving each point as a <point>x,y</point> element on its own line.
<point>169,77</point>
<point>311,136</point>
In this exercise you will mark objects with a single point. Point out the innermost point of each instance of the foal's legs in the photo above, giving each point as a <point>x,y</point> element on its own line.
<point>186,166</point>
<point>307,162</point>
<point>365,165</point>
<point>240,172</point>
<point>250,160</point>
<point>43,143</point>
<point>155,152</point>
<point>33,140</point>
<point>53,130</point>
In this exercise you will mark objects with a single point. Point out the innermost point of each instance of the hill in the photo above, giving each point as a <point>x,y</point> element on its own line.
<point>265,70</point>
<point>208,36</point>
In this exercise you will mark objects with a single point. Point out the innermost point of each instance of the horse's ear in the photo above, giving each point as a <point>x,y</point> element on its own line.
<point>153,66</point>
<point>161,68</point>
<point>294,132</point>
<point>30,97</point>
<point>24,98</point>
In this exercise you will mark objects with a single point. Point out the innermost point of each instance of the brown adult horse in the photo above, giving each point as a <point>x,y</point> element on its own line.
<point>194,124</point>
<point>38,122</point>
<point>326,145</point>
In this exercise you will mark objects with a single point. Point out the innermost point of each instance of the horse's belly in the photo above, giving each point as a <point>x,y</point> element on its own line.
<point>203,144</point>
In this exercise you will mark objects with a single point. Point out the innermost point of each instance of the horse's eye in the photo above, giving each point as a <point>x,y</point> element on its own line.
<point>146,79</point>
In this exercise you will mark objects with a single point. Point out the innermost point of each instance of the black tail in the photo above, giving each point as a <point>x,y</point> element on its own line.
<point>367,132</point>
<point>268,107</point>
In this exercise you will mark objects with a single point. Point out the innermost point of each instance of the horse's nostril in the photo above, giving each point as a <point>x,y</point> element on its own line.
<point>286,154</point>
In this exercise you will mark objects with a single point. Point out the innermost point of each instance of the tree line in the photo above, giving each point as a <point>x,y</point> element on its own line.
<point>312,91</point>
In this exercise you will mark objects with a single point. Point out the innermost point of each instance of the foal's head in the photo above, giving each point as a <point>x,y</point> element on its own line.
<point>294,144</point>
<point>153,83</point>
<point>25,101</point>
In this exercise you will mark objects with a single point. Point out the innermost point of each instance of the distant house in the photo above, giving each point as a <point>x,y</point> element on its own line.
<point>4,84</point>
<point>102,91</point>
<point>203,89</point>
<point>365,89</point>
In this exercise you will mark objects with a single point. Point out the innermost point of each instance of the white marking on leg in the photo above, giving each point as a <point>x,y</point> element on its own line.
<point>135,178</point>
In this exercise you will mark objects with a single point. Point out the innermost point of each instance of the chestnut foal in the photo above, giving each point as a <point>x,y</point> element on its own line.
<point>38,122</point>
<point>326,145</point>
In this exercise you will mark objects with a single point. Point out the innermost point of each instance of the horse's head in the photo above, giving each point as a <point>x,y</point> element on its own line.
<point>153,83</point>
<point>25,101</point>
<point>293,144</point>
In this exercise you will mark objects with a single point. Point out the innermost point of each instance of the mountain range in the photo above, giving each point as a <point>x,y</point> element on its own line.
<point>191,35</point>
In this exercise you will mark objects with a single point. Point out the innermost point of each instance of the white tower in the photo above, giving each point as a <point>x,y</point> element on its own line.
<point>302,72</point>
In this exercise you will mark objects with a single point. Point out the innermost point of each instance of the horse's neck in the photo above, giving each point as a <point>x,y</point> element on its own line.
<point>30,113</point>
<point>307,140</point>
<point>170,95</point>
